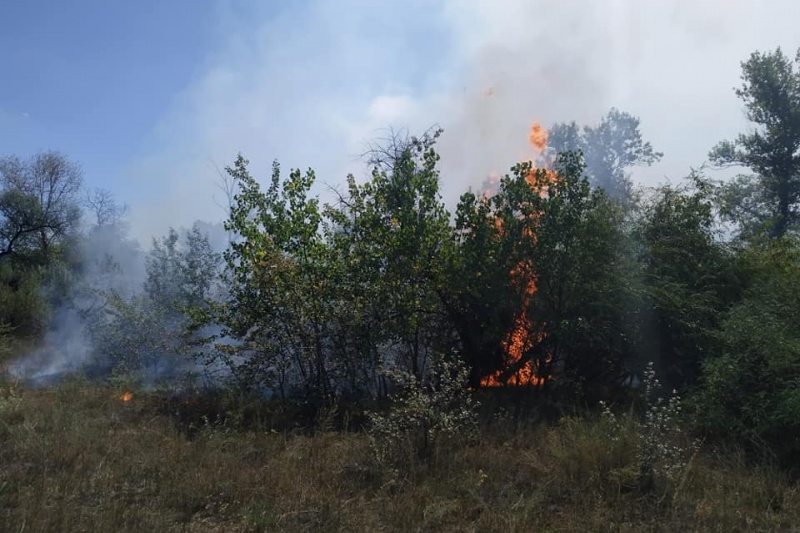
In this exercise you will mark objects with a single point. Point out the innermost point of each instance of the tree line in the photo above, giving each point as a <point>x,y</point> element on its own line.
<point>566,281</point>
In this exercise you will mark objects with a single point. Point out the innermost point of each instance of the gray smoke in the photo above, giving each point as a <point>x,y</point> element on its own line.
<point>108,321</point>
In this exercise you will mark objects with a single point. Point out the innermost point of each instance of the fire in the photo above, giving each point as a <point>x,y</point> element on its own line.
<point>491,184</point>
<point>126,396</point>
<point>537,137</point>
<point>522,336</point>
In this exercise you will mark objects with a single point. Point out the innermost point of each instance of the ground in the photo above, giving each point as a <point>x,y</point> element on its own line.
<point>79,458</point>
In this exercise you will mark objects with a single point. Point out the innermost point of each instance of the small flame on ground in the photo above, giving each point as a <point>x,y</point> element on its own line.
<point>126,396</point>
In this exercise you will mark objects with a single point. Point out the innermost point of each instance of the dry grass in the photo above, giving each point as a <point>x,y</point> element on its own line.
<point>76,458</point>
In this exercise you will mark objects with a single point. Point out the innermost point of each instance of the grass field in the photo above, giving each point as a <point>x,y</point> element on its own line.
<point>79,458</point>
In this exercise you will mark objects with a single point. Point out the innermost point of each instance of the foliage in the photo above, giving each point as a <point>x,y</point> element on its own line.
<point>565,276</point>
<point>398,239</point>
<point>550,231</point>
<point>21,302</point>
<point>662,450</point>
<point>39,205</point>
<point>144,333</point>
<point>750,389</point>
<point>278,304</point>
<point>322,299</point>
<point>181,277</point>
<point>426,416</point>
<point>5,340</point>
<point>610,149</point>
<point>770,200</point>
<point>39,221</point>
<point>690,277</point>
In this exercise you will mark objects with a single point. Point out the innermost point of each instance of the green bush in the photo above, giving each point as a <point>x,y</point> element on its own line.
<point>21,300</point>
<point>751,391</point>
<point>5,340</point>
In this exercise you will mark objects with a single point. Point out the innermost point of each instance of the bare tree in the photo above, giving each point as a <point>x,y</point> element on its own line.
<point>39,204</point>
<point>228,186</point>
<point>389,150</point>
<point>106,211</point>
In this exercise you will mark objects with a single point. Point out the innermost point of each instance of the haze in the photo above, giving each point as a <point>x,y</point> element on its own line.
<point>152,99</point>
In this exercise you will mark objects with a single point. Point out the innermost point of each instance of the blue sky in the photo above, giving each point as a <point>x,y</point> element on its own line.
<point>110,83</point>
<point>91,77</point>
<point>149,96</point>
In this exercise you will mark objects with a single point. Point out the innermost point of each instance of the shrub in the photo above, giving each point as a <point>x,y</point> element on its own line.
<point>21,302</point>
<point>662,451</point>
<point>427,416</point>
<point>750,393</point>
<point>5,340</point>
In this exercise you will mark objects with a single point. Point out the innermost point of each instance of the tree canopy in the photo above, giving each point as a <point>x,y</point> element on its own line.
<point>562,283</point>
<point>768,200</point>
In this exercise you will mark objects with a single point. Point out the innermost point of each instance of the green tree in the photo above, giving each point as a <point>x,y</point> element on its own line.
<point>279,307</point>
<point>769,200</point>
<point>39,206</point>
<point>39,221</point>
<point>610,149</point>
<point>400,237</point>
<point>146,332</point>
<point>750,390</point>
<point>481,300</point>
<point>178,276</point>
<point>689,276</point>
<point>550,231</point>
<point>586,286</point>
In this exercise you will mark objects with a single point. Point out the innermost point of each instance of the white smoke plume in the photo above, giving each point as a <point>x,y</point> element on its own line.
<point>312,83</point>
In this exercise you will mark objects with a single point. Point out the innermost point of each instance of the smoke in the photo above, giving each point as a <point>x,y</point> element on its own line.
<point>109,322</point>
<point>311,84</point>
<point>65,349</point>
<point>110,262</point>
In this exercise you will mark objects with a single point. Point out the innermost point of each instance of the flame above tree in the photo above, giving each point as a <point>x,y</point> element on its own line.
<point>522,337</point>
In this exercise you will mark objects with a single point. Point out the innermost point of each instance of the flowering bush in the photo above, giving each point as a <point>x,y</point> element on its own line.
<point>661,445</point>
<point>427,414</point>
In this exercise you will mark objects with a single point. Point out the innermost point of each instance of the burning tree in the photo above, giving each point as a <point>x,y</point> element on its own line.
<point>543,272</point>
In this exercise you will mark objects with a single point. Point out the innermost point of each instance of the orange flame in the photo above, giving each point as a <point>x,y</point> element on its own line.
<point>126,396</point>
<point>537,136</point>
<point>522,336</point>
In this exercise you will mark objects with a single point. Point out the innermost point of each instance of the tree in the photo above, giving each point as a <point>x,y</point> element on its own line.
<point>39,206</point>
<point>103,206</point>
<point>278,308</point>
<point>145,332</point>
<point>750,387</point>
<point>769,200</point>
<point>543,269</point>
<point>689,278</point>
<point>181,276</point>
<point>39,221</point>
<point>399,231</point>
<point>609,149</point>
<point>481,301</point>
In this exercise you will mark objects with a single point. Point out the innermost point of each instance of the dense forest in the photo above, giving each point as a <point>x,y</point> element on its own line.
<point>559,289</point>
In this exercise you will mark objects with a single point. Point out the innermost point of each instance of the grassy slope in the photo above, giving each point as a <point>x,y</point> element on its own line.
<point>76,458</point>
